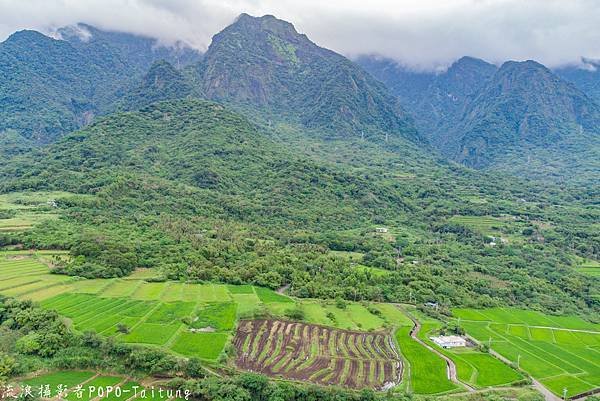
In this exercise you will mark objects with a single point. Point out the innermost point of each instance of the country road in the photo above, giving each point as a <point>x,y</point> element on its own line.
<point>450,366</point>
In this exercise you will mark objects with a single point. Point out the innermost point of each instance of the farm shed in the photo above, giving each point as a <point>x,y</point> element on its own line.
<point>449,341</point>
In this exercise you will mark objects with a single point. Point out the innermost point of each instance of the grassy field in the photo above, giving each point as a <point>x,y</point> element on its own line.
<point>427,371</point>
<point>476,368</point>
<point>21,210</point>
<point>590,267</point>
<point>559,351</point>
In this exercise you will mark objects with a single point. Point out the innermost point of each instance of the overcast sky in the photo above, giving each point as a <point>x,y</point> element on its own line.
<point>420,33</point>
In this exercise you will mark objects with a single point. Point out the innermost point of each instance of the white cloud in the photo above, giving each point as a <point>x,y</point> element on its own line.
<point>421,33</point>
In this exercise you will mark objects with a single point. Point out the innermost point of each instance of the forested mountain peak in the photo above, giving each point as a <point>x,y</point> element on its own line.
<point>162,82</point>
<point>265,64</point>
<point>55,85</point>
<point>526,116</point>
<point>586,76</point>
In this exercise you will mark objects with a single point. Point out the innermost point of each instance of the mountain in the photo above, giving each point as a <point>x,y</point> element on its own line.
<point>436,100</point>
<point>52,86</point>
<point>199,192</point>
<point>526,112</point>
<point>161,82</point>
<point>586,77</point>
<point>138,52</point>
<point>265,65</point>
<point>520,118</point>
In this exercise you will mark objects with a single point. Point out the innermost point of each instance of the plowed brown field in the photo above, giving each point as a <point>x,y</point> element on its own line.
<point>318,354</point>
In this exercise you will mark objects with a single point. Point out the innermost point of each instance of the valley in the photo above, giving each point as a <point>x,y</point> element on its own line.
<point>255,217</point>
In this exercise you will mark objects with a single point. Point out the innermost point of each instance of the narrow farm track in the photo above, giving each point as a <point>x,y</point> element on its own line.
<point>450,365</point>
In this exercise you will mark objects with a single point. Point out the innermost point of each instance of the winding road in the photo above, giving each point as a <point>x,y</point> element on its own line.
<point>450,366</point>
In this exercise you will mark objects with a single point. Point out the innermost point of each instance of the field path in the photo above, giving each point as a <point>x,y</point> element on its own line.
<point>450,366</point>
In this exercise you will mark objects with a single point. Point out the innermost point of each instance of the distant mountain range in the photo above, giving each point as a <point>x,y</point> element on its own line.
<point>520,117</point>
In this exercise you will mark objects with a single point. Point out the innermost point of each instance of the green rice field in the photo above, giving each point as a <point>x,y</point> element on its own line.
<point>559,351</point>
<point>199,320</point>
<point>425,370</point>
<point>188,319</point>
<point>590,267</point>
<point>476,368</point>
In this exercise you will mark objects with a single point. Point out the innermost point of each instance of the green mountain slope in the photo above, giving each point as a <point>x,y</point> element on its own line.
<point>586,77</point>
<point>528,120</point>
<point>161,82</point>
<point>265,65</point>
<point>199,192</point>
<point>521,119</point>
<point>51,86</point>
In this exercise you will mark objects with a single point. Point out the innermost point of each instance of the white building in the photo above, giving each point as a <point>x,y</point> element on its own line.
<point>381,230</point>
<point>449,341</point>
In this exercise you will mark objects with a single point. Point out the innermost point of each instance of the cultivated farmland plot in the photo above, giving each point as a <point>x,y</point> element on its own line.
<point>560,351</point>
<point>317,354</point>
<point>349,345</point>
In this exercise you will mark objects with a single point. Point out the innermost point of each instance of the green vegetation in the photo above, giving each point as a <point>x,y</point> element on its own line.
<point>427,370</point>
<point>269,296</point>
<point>67,378</point>
<point>218,316</point>
<point>559,351</point>
<point>201,345</point>
<point>591,268</point>
<point>277,230</point>
<point>475,367</point>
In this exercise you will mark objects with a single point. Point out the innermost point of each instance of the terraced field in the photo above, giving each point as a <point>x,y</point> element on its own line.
<point>21,210</point>
<point>317,354</point>
<point>559,351</point>
<point>591,268</point>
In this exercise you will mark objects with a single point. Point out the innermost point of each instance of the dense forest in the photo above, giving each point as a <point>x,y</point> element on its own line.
<point>201,193</point>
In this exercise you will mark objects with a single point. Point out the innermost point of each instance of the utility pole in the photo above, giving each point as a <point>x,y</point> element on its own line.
<point>490,342</point>
<point>564,393</point>
<point>519,361</point>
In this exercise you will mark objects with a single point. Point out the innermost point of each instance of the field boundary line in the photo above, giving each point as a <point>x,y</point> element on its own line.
<point>531,326</point>
<point>143,318</point>
<point>542,351</point>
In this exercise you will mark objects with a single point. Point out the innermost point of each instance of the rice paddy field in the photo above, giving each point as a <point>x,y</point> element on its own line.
<point>559,351</point>
<point>189,319</point>
<point>318,354</point>
<point>590,267</point>
<point>475,368</point>
<point>342,344</point>
<point>505,227</point>
<point>88,385</point>
<point>426,371</point>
